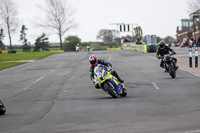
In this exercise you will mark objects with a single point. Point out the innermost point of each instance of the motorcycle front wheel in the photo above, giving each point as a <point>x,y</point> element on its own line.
<point>172,71</point>
<point>124,92</point>
<point>110,89</point>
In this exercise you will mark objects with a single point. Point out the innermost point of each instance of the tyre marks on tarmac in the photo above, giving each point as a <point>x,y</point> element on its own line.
<point>44,76</point>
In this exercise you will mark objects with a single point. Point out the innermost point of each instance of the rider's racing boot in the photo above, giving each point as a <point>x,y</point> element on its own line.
<point>97,86</point>
<point>176,67</point>
<point>114,73</point>
<point>120,80</point>
<point>123,87</point>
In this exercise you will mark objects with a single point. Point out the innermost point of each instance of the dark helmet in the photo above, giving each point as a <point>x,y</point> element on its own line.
<point>162,44</point>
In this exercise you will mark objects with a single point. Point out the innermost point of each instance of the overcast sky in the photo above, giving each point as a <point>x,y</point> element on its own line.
<point>157,17</point>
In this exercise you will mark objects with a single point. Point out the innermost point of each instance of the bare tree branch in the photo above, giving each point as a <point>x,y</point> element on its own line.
<point>8,17</point>
<point>107,36</point>
<point>193,5</point>
<point>58,17</point>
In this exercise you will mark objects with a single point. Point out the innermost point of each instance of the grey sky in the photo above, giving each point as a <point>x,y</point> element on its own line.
<point>159,17</point>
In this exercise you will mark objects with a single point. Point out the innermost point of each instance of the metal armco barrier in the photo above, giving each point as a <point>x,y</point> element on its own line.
<point>196,56</point>
<point>190,56</point>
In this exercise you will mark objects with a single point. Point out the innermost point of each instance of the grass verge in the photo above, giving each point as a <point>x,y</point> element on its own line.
<point>4,65</point>
<point>22,56</point>
<point>26,56</point>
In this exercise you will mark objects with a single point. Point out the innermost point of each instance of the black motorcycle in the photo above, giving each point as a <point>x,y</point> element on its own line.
<point>2,108</point>
<point>170,65</point>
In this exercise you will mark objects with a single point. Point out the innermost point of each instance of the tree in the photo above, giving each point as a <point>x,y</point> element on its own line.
<point>169,39</point>
<point>193,5</point>
<point>58,18</point>
<point>8,17</point>
<point>159,39</point>
<point>107,36</point>
<point>117,40</point>
<point>25,47</point>
<point>41,42</point>
<point>1,38</point>
<point>71,42</point>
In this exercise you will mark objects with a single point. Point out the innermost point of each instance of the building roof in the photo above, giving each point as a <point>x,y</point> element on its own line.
<point>196,13</point>
<point>187,19</point>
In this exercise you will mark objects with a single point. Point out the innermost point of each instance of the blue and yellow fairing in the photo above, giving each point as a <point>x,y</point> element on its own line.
<point>106,75</point>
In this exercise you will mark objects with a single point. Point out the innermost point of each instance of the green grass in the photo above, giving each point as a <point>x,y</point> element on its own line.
<point>21,50</point>
<point>22,56</point>
<point>26,56</point>
<point>4,65</point>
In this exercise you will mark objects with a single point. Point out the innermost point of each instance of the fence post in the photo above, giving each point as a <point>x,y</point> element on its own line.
<point>190,56</point>
<point>196,56</point>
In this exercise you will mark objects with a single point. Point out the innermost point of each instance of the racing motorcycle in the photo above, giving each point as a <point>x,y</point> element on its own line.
<point>107,82</point>
<point>2,108</point>
<point>169,65</point>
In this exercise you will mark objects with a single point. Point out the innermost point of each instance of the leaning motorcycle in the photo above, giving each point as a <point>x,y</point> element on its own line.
<point>169,64</point>
<point>109,83</point>
<point>2,108</point>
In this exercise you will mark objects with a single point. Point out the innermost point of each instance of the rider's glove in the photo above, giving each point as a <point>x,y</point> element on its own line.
<point>173,53</point>
<point>91,78</point>
<point>109,68</point>
<point>93,82</point>
<point>159,57</point>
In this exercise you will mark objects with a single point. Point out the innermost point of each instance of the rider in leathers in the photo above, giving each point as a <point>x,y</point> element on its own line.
<point>94,61</point>
<point>164,50</point>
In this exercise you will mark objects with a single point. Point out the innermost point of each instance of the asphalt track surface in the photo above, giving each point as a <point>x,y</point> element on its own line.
<point>56,95</point>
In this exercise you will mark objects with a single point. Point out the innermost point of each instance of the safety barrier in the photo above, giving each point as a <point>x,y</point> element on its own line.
<point>4,52</point>
<point>151,48</point>
<point>129,46</point>
<point>141,48</point>
<point>113,48</point>
<point>98,49</point>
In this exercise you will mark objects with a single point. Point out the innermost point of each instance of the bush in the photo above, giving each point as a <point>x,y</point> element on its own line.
<point>71,42</point>
<point>110,45</point>
<point>95,46</point>
<point>116,46</point>
<point>69,47</point>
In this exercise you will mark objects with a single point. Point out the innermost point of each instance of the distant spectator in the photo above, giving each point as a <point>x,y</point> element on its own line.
<point>187,42</point>
<point>195,42</point>
<point>126,40</point>
<point>183,43</point>
<point>198,42</point>
<point>191,42</point>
